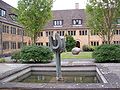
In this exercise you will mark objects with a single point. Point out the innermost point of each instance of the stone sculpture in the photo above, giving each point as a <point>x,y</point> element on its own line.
<point>58,46</point>
<point>75,51</point>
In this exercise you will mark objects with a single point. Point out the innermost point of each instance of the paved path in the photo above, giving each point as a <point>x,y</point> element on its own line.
<point>112,68</point>
<point>4,67</point>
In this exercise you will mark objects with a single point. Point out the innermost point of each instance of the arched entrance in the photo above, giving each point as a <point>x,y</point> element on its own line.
<point>78,44</point>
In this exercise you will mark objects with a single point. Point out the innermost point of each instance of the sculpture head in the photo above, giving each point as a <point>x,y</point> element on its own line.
<point>58,44</point>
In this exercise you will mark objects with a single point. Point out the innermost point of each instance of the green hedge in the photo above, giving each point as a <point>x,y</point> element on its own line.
<point>34,54</point>
<point>88,48</point>
<point>107,53</point>
<point>2,60</point>
<point>16,56</point>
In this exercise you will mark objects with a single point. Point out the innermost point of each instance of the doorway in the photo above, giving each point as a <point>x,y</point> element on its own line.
<point>78,44</point>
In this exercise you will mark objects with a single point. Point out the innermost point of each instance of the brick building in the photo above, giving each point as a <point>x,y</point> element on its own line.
<point>11,33</point>
<point>73,22</point>
<point>65,22</point>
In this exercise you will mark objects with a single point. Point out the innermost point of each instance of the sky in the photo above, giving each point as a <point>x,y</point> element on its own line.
<point>58,4</point>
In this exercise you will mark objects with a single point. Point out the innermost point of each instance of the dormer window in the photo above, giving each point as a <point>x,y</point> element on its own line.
<point>77,21</point>
<point>2,13</point>
<point>57,22</point>
<point>13,17</point>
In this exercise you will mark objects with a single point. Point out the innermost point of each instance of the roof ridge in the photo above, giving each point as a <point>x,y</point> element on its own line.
<point>68,9</point>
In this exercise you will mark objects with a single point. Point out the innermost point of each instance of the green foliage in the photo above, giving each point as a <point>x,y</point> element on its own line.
<point>107,53</point>
<point>16,56</point>
<point>101,16</point>
<point>36,54</point>
<point>33,15</point>
<point>70,43</point>
<point>88,48</point>
<point>2,60</point>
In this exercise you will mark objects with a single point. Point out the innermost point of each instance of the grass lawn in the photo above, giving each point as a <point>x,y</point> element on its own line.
<point>81,55</point>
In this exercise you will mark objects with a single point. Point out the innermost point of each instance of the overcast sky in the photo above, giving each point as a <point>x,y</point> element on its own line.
<point>58,4</point>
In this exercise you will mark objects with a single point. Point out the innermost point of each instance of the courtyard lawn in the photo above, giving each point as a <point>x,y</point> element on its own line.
<point>81,55</point>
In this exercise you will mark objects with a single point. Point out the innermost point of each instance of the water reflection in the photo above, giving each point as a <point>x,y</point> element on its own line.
<point>49,77</point>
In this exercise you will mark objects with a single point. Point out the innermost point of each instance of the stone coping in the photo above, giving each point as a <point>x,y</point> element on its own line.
<point>112,79</point>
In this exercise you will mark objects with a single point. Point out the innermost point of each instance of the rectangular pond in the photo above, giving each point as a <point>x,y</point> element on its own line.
<point>47,74</point>
<point>68,77</point>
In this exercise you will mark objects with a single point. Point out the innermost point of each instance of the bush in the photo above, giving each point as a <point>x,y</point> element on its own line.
<point>88,48</point>
<point>70,43</point>
<point>16,56</point>
<point>36,54</point>
<point>2,60</point>
<point>107,53</point>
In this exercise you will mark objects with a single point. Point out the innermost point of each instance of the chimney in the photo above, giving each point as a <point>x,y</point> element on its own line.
<point>76,5</point>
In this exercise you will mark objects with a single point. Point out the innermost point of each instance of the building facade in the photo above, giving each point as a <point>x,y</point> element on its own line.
<point>65,22</point>
<point>72,22</point>
<point>12,35</point>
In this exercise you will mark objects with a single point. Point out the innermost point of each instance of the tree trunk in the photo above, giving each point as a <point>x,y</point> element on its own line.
<point>34,38</point>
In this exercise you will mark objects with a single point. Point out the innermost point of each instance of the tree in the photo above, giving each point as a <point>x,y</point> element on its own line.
<point>70,43</point>
<point>102,17</point>
<point>33,15</point>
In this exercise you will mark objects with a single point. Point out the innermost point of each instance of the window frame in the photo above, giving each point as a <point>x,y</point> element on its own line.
<point>2,12</point>
<point>77,22</point>
<point>57,23</point>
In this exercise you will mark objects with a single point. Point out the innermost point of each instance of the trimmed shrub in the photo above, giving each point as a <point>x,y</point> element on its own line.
<point>36,54</point>
<point>70,43</point>
<point>16,56</point>
<point>88,48</point>
<point>107,53</point>
<point>2,60</point>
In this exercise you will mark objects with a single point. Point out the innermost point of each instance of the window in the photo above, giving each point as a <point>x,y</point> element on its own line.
<point>47,44</point>
<point>13,45</point>
<point>72,33</point>
<point>117,32</point>
<point>40,34</point>
<point>61,33</point>
<point>83,32</point>
<point>5,29</point>
<point>13,30</point>
<point>13,17</point>
<point>2,13</point>
<point>116,42</point>
<point>19,31</point>
<point>94,43</point>
<point>49,33</point>
<point>5,45</point>
<point>77,21</point>
<point>19,45</point>
<point>24,33</point>
<point>57,22</point>
<point>24,43</point>
<point>39,44</point>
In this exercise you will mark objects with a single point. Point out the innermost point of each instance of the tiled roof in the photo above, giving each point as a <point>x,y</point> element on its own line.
<point>67,16</point>
<point>9,10</point>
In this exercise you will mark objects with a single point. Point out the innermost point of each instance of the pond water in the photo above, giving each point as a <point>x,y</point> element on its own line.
<point>49,77</point>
